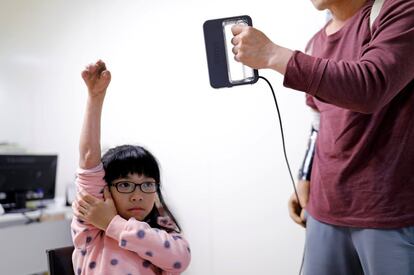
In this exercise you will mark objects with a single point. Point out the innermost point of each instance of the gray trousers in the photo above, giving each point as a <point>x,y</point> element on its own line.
<point>336,250</point>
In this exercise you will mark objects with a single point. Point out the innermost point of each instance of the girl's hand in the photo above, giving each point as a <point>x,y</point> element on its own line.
<point>95,211</point>
<point>97,78</point>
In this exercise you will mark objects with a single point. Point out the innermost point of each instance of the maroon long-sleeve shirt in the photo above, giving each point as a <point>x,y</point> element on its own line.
<point>362,82</point>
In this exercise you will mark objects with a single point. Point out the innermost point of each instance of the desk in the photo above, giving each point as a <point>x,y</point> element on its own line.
<point>23,246</point>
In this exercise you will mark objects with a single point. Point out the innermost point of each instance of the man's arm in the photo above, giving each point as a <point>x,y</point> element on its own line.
<point>254,49</point>
<point>365,85</point>
<point>296,208</point>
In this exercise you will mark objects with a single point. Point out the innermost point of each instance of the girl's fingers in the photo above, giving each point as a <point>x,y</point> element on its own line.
<point>76,210</point>
<point>74,206</point>
<point>95,70</point>
<point>106,74</point>
<point>100,63</point>
<point>89,67</point>
<point>77,214</point>
<point>92,68</point>
<point>100,69</point>
<point>89,199</point>
<point>85,75</point>
<point>82,205</point>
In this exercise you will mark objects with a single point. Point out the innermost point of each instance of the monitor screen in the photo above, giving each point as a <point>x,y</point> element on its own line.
<point>26,178</point>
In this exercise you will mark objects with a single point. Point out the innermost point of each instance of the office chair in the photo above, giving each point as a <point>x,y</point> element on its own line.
<point>60,260</point>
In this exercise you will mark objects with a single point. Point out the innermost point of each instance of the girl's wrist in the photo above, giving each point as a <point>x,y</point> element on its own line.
<point>108,222</point>
<point>93,95</point>
<point>94,99</point>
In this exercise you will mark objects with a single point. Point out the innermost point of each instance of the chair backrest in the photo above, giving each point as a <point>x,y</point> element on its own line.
<point>60,261</point>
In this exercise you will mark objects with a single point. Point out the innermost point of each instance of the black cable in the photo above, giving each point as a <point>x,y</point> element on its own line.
<point>283,138</point>
<point>285,154</point>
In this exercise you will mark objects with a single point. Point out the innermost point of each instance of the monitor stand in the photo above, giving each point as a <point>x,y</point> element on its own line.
<point>20,204</point>
<point>19,210</point>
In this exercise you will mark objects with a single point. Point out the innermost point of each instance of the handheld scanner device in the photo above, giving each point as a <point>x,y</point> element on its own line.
<point>223,70</point>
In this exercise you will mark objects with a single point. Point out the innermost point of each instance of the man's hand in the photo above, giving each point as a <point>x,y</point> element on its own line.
<point>297,211</point>
<point>95,211</point>
<point>97,78</point>
<point>254,49</point>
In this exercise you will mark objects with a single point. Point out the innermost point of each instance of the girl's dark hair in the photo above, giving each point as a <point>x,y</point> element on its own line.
<point>122,160</point>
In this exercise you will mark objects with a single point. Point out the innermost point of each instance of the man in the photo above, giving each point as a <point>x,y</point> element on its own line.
<point>360,78</point>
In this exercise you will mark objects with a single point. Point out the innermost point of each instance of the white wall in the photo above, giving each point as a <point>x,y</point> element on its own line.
<point>220,150</point>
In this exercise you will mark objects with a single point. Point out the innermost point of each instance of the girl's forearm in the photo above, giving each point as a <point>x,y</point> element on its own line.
<point>90,145</point>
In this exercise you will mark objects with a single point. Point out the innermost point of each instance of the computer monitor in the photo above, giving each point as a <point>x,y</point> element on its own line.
<point>25,178</point>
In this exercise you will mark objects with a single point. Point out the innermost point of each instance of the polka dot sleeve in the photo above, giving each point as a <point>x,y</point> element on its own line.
<point>168,251</point>
<point>91,181</point>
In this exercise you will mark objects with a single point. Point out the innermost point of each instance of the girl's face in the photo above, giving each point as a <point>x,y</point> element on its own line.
<point>136,204</point>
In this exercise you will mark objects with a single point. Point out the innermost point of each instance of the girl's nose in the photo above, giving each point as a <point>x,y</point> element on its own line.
<point>137,195</point>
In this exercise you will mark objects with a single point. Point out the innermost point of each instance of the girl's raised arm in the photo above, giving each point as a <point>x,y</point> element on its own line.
<point>97,79</point>
<point>90,173</point>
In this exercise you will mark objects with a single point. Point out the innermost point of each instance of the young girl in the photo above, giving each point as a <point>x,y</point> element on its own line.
<point>121,224</point>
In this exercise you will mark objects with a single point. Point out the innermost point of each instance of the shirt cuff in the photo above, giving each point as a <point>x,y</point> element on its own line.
<point>95,169</point>
<point>304,73</point>
<point>115,228</point>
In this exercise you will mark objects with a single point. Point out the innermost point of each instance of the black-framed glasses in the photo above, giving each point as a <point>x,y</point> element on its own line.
<point>129,187</point>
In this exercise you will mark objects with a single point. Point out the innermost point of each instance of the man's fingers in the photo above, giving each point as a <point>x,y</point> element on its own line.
<point>294,212</point>
<point>303,216</point>
<point>237,28</point>
<point>298,220</point>
<point>235,40</point>
<point>237,58</point>
<point>235,49</point>
<point>295,218</point>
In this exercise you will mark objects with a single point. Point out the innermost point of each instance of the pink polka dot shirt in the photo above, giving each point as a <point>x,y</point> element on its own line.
<point>127,247</point>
